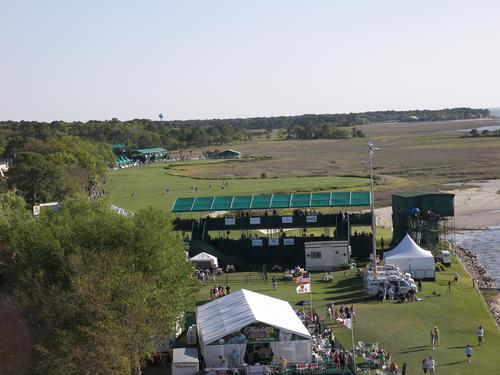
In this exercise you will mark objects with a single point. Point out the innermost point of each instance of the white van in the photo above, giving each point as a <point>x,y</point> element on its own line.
<point>401,286</point>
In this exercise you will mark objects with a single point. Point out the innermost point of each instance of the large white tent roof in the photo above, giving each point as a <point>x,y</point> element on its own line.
<point>407,248</point>
<point>235,311</point>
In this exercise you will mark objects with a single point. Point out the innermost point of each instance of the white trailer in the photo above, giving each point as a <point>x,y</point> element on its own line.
<point>327,255</point>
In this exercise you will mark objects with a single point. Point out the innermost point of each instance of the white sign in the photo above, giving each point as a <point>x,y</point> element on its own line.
<point>36,210</point>
<point>287,220</point>
<point>311,219</point>
<point>274,242</point>
<point>256,242</point>
<point>255,220</point>
<point>230,221</point>
<point>288,241</point>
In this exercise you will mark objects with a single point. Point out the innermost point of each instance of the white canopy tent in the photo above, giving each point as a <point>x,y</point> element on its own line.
<point>205,260</point>
<point>246,318</point>
<point>410,257</point>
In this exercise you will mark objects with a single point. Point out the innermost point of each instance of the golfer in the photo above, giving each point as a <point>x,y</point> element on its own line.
<point>468,352</point>
<point>480,334</point>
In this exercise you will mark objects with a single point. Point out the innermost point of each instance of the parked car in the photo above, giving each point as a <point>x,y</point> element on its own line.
<point>230,268</point>
<point>287,275</point>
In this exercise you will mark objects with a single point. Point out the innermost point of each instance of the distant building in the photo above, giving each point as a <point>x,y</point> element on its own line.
<point>148,154</point>
<point>228,154</point>
<point>119,149</point>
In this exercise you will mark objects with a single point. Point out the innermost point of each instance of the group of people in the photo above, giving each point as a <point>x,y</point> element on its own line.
<point>219,291</point>
<point>344,312</point>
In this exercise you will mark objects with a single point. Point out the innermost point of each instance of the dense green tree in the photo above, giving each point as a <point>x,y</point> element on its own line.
<point>36,177</point>
<point>101,290</point>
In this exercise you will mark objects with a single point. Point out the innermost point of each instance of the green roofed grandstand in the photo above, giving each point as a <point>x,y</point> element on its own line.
<point>272,201</point>
<point>155,150</point>
<point>148,154</point>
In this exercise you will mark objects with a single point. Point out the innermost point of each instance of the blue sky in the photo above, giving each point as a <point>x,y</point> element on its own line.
<point>98,59</point>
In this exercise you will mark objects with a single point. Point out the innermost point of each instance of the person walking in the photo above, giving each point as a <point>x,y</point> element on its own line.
<point>480,334</point>
<point>275,283</point>
<point>424,365</point>
<point>468,352</point>
<point>329,313</point>
<point>436,336</point>
<point>456,278</point>
<point>433,339</point>
<point>431,366</point>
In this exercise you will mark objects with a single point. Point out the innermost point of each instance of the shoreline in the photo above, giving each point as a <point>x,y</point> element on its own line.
<point>481,280</point>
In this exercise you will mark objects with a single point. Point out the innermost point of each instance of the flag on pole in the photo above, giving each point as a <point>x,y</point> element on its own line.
<point>346,322</point>
<point>305,278</point>
<point>304,288</point>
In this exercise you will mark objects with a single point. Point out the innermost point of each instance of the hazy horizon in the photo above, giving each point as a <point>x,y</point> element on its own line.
<point>494,112</point>
<point>78,61</point>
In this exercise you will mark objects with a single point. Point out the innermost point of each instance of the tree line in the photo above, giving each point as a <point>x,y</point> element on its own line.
<point>172,135</point>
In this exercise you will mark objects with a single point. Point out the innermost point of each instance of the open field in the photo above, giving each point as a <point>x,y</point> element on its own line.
<point>401,329</point>
<point>412,156</point>
<point>150,183</point>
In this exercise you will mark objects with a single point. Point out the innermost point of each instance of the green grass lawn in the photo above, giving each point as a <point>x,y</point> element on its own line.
<point>149,183</point>
<point>402,329</point>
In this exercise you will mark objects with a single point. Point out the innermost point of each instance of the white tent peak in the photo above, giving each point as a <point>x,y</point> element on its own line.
<point>409,248</point>
<point>205,257</point>
<point>237,310</point>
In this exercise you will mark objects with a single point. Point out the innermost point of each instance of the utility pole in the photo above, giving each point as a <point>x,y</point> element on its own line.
<point>371,151</point>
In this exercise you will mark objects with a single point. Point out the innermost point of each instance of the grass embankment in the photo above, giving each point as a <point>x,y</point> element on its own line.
<point>402,329</point>
<point>150,183</point>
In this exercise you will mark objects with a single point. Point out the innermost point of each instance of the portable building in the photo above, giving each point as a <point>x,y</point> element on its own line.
<point>326,255</point>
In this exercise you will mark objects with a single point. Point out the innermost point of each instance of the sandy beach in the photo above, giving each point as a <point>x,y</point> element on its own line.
<point>476,206</point>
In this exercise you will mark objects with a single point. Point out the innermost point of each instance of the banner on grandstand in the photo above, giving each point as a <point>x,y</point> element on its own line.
<point>255,220</point>
<point>288,241</point>
<point>311,219</point>
<point>257,242</point>
<point>230,221</point>
<point>274,242</point>
<point>287,220</point>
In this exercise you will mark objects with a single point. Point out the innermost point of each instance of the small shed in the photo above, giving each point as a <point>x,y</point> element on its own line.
<point>205,260</point>
<point>185,361</point>
<point>409,257</point>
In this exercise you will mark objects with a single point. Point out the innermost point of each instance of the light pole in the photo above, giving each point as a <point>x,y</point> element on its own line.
<point>371,151</point>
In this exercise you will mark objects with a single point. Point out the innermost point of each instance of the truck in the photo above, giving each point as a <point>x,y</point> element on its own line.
<point>400,284</point>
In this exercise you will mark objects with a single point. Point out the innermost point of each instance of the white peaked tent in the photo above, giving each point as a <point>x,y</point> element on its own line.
<point>205,260</point>
<point>247,318</point>
<point>410,257</point>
